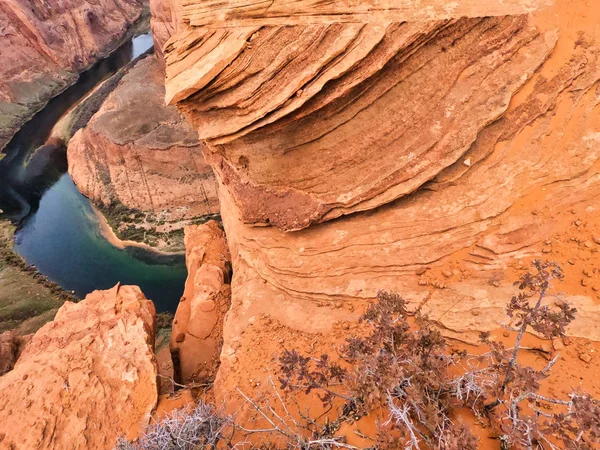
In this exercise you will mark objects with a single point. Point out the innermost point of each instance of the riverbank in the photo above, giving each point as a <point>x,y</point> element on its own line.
<point>139,162</point>
<point>126,227</point>
<point>28,299</point>
<point>118,241</point>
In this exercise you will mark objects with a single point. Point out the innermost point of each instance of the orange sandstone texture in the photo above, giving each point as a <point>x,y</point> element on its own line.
<point>197,328</point>
<point>238,13</point>
<point>139,153</point>
<point>85,378</point>
<point>433,159</point>
<point>45,45</point>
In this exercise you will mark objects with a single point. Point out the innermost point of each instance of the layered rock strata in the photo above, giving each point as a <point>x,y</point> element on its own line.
<point>433,159</point>
<point>85,378</point>
<point>241,13</point>
<point>196,336</point>
<point>45,45</point>
<point>136,152</point>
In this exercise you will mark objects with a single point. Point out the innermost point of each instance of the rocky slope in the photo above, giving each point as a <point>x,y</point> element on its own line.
<point>137,153</point>
<point>431,158</point>
<point>85,378</point>
<point>45,45</point>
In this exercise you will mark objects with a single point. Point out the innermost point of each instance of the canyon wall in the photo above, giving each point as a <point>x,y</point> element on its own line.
<point>45,45</point>
<point>138,153</point>
<point>356,153</point>
<point>85,378</point>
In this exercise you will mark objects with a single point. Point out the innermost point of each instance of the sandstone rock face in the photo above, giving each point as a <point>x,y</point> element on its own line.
<point>433,159</point>
<point>138,153</point>
<point>197,328</point>
<point>8,351</point>
<point>162,24</point>
<point>44,45</point>
<point>85,378</point>
<point>318,118</point>
<point>239,13</point>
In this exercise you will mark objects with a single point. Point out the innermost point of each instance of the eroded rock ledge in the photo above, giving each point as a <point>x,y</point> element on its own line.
<point>85,378</point>
<point>240,13</point>
<point>353,116</point>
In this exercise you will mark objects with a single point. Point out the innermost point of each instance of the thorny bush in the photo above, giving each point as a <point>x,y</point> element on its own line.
<point>401,363</point>
<point>404,364</point>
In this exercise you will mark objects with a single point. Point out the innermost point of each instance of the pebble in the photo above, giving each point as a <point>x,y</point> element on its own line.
<point>467,162</point>
<point>587,273</point>
<point>546,347</point>
<point>585,357</point>
<point>421,270</point>
<point>596,239</point>
<point>578,223</point>
<point>588,244</point>
<point>474,312</point>
<point>495,283</point>
<point>571,261</point>
<point>180,337</point>
<point>447,273</point>
<point>558,345</point>
<point>584,283</point>
<point>422,282</point>
<point>546,249</point>
<point>506,334</point>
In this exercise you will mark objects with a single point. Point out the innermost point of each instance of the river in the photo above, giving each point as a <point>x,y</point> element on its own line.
<point>59,230</point>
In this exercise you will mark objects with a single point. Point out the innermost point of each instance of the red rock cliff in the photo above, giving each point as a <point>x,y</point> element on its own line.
<point>45,44</point>
<point>431,158</point>
<point>137,152</point>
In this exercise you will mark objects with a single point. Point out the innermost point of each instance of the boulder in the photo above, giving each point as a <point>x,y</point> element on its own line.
<point>85,378</point>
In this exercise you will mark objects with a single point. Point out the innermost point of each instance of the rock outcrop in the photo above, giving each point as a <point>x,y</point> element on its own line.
<point>196,336</point>
<point>241,13</point>
<point>430,158</point>
<point>163,24</point>
<point>85,378</point>
<point>141,154</point>
<point>8,351</point>
<point>45,45</point>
